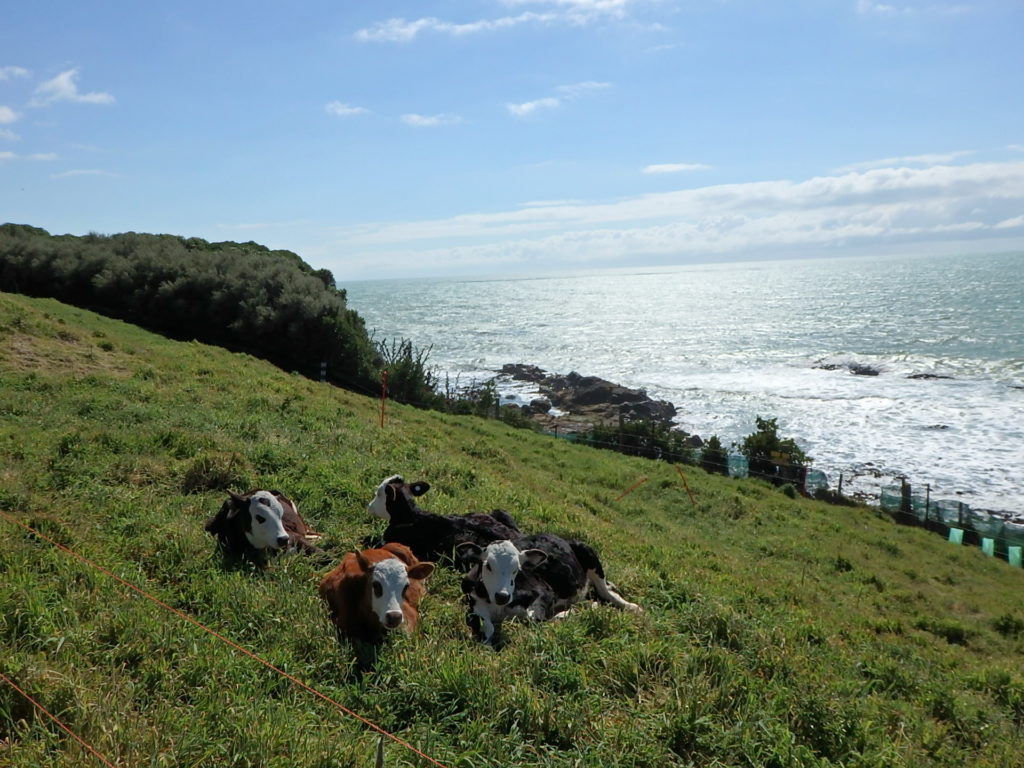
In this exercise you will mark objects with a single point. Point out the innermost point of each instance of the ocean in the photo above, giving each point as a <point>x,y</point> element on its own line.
<point>726,343</point>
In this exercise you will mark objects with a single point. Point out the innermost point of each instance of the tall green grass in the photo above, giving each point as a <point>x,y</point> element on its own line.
<point>777,632</point>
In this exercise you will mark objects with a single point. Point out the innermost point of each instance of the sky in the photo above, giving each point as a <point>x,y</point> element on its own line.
<point>413,139</point>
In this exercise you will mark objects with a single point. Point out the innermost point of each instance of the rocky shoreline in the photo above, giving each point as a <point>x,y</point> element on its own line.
<point>571,402</point>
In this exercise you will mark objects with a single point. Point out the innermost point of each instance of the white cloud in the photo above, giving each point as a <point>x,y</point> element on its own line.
<point>675,168</point>
<point>7,155</point>
<point>888,162</point>
<point>43,156</point>
<point>6,73</point>
<point>9,135</point>
<point>571,12</point>
<point>879,207</point>
<point>570,93</point>
<point>430,121</point>
<point>8,115</point>
<point>63,88</point>
<point>866,7</point>
<point>1016,221</point>
<point>338,109</point>
<point>1015,147</point>
<point>529,107</point>
<point>404,31</point>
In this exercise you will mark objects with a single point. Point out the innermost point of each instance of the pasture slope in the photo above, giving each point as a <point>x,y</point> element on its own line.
<point>777,632</point>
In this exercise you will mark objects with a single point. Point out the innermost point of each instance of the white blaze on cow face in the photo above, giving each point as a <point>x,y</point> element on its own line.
<point>500,563</point>
<point>378,506</point>
<point>388,581</point>
<point>395,495</point>
<point>266,529</point>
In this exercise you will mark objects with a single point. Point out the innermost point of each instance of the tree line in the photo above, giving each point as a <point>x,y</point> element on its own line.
<point>241,296</point>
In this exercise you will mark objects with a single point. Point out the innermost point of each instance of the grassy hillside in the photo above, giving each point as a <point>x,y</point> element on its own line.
<point>777,632</point>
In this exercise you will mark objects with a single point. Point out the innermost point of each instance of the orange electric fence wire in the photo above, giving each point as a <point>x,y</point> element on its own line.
<point>46,712</point>
<point>250,654</point>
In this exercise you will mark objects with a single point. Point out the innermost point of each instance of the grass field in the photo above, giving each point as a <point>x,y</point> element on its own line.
<point>777,631</point>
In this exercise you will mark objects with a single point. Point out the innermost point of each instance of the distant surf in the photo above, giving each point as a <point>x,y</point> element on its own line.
<point>878,367</point>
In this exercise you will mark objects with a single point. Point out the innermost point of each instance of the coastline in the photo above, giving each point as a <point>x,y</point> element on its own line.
<point>568,404</point>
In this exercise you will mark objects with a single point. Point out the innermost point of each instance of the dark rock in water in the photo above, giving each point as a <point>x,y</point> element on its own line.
<point>928,376</point>
<point>858,369</point>
<point>540,405</point>
<point>938,427</point>
<point>587,399</point>
<point>863,370</point>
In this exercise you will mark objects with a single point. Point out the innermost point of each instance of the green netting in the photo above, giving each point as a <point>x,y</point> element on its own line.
<point>892,498</point>
<point>951,512</point>
<point>1013,533</point>
<point>984,523</point>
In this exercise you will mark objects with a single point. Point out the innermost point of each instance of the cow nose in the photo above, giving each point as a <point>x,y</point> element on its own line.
<point>392,619</point>
<point>282,542</point>
<point>501,597</point>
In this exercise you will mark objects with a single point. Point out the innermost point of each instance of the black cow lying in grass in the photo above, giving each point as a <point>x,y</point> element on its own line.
<point>430,536</point>
<point>258,523</point>
<point>536,578</point>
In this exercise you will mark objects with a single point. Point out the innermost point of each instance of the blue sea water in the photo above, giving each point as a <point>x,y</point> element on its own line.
<point>729,342</point>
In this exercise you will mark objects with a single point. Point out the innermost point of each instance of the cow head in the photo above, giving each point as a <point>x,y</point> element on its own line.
<point>497,565</point>
<point>394,500</point>
<point>388,581</point>
<point>262,519</point>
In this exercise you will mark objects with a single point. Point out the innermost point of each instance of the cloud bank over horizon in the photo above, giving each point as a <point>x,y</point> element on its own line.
<point>879,207</point>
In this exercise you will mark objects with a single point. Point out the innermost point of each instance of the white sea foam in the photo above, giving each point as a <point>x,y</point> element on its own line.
<point>727,343</point>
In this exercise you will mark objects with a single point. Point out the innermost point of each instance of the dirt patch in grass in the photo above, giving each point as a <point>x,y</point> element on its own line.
<point>67,354</point>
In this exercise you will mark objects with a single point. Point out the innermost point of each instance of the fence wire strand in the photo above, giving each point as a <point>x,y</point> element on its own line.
<point>181,614</point>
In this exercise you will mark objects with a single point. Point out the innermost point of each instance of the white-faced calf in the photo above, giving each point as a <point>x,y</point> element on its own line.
<point>258,523</point>
<point>374,591</point>
<point>536,578</point>
<point>431,536</point>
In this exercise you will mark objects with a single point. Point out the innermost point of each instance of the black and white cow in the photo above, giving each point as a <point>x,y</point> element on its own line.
<point>536,578</point>
<point>430,536</point>
<point>260,522</point>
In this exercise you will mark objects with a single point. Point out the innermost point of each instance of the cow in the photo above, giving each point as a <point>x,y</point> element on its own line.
<point>373,592</point>
<point>536,578</point>
<point>258,523</point>
<point>431,536</point>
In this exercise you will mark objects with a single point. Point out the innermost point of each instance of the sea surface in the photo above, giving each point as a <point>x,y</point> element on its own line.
<point>726,343</point>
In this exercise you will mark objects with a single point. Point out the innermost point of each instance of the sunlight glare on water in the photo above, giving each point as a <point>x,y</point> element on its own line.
<point>728,342</point>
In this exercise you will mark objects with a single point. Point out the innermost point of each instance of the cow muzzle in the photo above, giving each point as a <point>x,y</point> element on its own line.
<point>392,619</point>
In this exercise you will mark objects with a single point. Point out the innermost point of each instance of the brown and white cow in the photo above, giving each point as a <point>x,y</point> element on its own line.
<point>258,523</point>
<point>374,591</point>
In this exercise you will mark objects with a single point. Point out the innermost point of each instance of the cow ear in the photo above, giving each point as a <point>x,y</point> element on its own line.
<point>421,570</point>
<point>419,488</point>
<point>236,504</point>
<point>531,558</point>
<point>364,564</point>
<point>469,552</point>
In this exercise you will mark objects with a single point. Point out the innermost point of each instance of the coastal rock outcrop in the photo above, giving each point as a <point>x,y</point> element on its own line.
<point>581,401</point>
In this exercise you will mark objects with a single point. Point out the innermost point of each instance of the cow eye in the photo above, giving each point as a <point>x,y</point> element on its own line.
<point>378,590</point>
<point>261,519</point>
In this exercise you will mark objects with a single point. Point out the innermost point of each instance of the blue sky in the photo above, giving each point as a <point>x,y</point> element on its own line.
<point>405,139</point>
